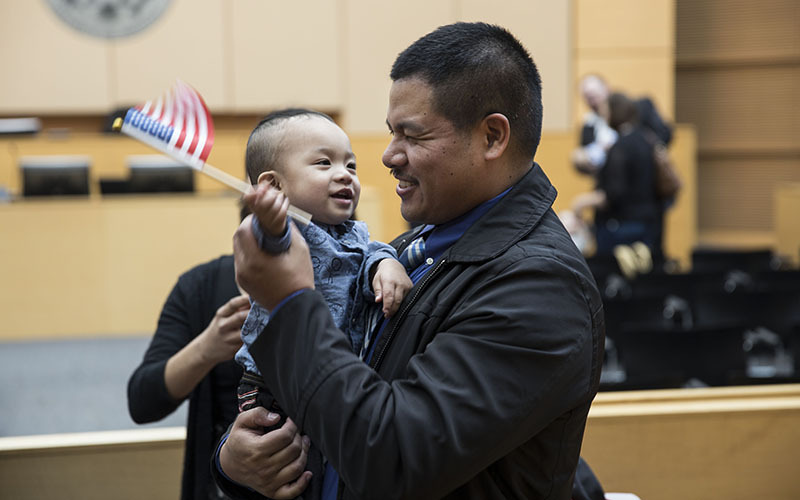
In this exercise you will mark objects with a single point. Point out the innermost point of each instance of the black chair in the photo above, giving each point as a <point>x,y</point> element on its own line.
<point>659,359</point>
<point>159,174</point>
<point>721,260</point>
<point>56,175</point>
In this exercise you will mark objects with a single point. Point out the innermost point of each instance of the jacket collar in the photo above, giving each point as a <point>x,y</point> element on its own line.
<point>513,218</point>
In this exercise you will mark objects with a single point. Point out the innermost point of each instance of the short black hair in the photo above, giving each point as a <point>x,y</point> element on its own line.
<point>263,147</point>
<point>476,69</point>
<point>621,110</point>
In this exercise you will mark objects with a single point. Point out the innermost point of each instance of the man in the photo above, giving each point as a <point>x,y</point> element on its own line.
<point>596,135</point>
<point>480,386</point>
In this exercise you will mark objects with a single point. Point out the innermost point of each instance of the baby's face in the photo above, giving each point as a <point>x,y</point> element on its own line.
<point>319,170</point>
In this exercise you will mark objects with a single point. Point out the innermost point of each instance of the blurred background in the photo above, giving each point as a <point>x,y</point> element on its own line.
<point>89,249</point>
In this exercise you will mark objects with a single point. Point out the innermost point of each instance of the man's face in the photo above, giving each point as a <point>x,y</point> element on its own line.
<point>437,166</point>
<point>595,93</point>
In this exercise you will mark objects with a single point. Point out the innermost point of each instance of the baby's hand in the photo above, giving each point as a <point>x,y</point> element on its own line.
<point>270,206</point>
<point>391,284</point>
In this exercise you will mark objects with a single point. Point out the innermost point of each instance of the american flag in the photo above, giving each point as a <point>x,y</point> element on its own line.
<point>177,123</point>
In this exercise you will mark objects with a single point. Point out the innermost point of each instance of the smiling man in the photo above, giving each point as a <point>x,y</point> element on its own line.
<point>480,385</point>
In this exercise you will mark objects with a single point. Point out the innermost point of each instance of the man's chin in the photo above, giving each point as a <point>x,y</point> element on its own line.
<point>410,215</point>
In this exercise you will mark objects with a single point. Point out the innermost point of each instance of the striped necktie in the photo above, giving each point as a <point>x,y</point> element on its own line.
<point>413,255</point>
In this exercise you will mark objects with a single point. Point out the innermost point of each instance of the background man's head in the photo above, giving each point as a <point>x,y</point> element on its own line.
<point>594,91</point>
<point>621,110</point>
<point>476,69</point>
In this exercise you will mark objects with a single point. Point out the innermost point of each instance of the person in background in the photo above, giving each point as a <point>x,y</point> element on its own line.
<point>627,209</point>
<point>596,136</point>
<point>191,356</point>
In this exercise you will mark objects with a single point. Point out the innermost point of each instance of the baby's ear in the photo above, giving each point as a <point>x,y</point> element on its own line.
<point>272,178</point>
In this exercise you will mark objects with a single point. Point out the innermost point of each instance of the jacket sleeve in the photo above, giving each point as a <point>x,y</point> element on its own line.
<point>228,487</point>
<point>148,399</point>
<point>515,353</point>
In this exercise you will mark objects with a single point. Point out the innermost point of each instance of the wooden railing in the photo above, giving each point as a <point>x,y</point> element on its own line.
<point>733,443</point>
<point>135,464</point>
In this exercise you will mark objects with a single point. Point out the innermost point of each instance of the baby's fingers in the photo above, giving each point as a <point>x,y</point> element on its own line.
<point>391,302</point>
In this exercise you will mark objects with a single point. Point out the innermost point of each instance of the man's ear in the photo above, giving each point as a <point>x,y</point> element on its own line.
<point>497,132</point>
<point>271,177</point>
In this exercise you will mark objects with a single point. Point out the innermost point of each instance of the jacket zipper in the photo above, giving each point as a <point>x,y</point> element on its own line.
<point>405,310</point>
<point>374,365</point>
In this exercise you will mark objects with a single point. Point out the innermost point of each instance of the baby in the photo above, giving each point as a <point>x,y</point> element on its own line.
<point>302,156</point>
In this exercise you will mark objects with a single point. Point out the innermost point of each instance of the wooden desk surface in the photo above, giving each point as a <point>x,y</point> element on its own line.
<point>102,266</point>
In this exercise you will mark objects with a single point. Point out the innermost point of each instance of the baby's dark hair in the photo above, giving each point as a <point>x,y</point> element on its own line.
<point>621,110</point>
<point>263,146</point>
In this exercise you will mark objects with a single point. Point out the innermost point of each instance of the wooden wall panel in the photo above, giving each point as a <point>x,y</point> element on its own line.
<point>631,44</point>
<point>738,81</point>
<point>43,278</point>
<point>254,56</point>
<point>382,196</point>
<point>286,54</point>
<point>739,193</point>
<point>374,33</point>
<point>603,25</point>
<point>734,30</point>
<point>102,266</point>
<point>47,65</point>
<point>787,222</point>
<point>681,225</point>
<point>186,43</point>
<point>742,109</point>
<point>545,29</point>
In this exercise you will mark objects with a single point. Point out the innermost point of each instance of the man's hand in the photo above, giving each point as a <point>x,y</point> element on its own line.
<point>273,463</point>
<point>592,199</point>
<point>582,163</point>
<point>271,278</point>
<point>391,284</point>
<point>222,337</point>
<point>270,206</point>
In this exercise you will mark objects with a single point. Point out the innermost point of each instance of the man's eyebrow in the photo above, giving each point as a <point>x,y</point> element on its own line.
<point>406,127</point>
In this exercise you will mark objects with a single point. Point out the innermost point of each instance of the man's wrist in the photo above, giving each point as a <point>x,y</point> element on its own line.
<point>218,464</point>
<point>287,299</point>
<point>217,461</point>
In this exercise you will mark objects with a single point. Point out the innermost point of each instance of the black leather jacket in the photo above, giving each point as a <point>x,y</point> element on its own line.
<point>481,383</point>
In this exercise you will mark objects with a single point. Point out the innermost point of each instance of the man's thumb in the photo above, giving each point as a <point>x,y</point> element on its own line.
<point>257,417</point>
